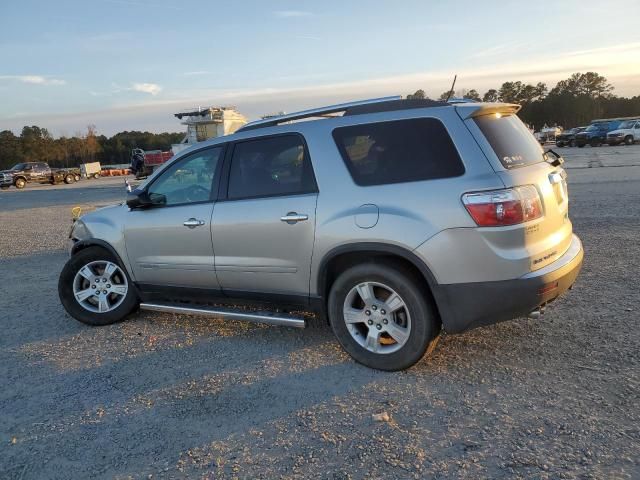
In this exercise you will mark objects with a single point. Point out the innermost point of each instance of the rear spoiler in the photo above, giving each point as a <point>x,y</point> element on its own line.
<point>470,110</point>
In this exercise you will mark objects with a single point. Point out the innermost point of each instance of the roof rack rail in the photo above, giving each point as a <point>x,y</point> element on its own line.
<point>314,112</point>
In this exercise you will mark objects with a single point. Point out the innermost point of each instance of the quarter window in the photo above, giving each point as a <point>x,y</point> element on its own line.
<point>189,180</point>
<point>269,167</point>
<point>398,151</point>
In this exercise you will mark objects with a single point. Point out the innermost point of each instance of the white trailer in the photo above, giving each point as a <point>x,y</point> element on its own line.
<point>91,170</point>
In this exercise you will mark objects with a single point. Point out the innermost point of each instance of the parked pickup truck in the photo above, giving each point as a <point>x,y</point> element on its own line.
<point>38,172</point>
<point>596,133</point>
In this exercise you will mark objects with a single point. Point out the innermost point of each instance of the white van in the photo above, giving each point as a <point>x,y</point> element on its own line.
<point>629,132</point>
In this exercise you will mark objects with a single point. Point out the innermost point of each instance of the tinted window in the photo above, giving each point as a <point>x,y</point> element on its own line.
<point>270,166</point>
<point>510,139</point>
<point>398,151</point>
<point>188,180</point>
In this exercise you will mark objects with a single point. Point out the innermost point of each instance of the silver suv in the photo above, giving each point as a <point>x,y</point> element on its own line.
<point>394,219</point>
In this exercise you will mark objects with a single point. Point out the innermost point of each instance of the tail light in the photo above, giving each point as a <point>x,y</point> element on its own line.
<point>509,206</point>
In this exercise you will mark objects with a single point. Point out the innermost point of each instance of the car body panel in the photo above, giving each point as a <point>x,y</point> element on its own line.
<point>161,250</point>
<point>256,251</point>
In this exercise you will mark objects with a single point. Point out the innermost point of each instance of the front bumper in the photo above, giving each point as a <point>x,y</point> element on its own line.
<point>464,306</point>
<point>6,180</point>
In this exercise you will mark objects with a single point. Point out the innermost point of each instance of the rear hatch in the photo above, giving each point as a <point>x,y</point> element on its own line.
<point>522,164</point>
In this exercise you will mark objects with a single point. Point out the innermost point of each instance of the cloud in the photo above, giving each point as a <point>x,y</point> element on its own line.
<point>34,79</point>
<point>292,13</point>
<point>151,88</point>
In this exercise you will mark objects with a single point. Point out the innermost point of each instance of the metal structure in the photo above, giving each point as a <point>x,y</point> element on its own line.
<point>208,122</point>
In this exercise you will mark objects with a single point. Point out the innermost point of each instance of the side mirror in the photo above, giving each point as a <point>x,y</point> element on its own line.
<point>142,199</point>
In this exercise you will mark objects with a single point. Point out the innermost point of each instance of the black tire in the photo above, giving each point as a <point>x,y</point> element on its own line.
<point>595,143</point>
<point>559,144</point>
<point>581,145</point>
<point>68,179</point>
<point>628,140</point>
<point>20,183</point>
<point>76,177</point>
<point>71,305</point>
<point>96,176</point>
<point>425,326</point>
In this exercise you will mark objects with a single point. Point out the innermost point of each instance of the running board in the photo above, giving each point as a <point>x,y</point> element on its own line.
<point>257,317</point>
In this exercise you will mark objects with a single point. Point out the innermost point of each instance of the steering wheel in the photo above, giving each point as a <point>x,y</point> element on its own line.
<point>196,193</point>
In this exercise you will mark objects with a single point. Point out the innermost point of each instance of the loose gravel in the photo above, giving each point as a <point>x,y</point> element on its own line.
<point>165,396</point>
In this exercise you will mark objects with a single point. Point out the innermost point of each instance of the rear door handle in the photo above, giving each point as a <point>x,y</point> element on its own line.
<point>193,223</point>
<point>293,217</point>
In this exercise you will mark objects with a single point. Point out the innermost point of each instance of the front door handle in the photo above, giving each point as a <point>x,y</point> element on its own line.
<point>293,217</point>
<point>193,223</point>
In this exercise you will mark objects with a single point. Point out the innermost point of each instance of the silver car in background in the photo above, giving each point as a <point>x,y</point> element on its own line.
<point>394,219</point>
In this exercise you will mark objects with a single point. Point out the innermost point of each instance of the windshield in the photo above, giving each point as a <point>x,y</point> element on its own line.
<point>19,166</point>
<point>596,126</point>
<point>510,139</point>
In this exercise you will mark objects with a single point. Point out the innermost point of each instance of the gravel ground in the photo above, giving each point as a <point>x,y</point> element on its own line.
<point>165,396</point>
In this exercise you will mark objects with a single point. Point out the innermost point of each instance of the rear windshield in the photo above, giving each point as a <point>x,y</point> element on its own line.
<point>510,139</point>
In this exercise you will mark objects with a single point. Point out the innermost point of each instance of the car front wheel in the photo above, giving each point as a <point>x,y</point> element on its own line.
<point>381,316</point>
<point>95,289</point>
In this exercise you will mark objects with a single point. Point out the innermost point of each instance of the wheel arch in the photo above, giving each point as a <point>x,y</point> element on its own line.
<point>345,256</point>
<point>96,242</point>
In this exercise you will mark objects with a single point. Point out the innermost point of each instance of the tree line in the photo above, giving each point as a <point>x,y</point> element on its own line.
<point>36,144</point>
<point>572,102</point>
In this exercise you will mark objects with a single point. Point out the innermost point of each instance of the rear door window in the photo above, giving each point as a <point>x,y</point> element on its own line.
<point>510,139</point>
<point>271,166</point>
<point>398,151</point>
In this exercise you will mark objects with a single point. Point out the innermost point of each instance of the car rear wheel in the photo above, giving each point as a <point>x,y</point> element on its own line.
<point>95,289</point>
<point>628,140</point>
<point>76,177</point>
<point>20,183</point>
<point>381,316</point>
<point>96,176</point>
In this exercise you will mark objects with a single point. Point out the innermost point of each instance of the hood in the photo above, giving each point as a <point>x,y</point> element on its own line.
<point>10,172</point>
<point>618,131</point>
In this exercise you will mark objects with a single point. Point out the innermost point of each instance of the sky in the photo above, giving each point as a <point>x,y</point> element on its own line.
<point>131,64</point>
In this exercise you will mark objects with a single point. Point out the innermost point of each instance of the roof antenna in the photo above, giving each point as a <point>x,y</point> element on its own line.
<point>452,87</point>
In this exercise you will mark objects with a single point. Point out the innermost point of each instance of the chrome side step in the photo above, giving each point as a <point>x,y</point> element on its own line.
<point>257,317</point>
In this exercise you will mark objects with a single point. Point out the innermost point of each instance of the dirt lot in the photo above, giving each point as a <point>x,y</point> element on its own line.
<point>164,396</point>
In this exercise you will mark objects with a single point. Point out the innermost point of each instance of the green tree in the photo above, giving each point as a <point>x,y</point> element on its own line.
<point>472,95</point>
<point>590,84</point>
<point>490,95</point>
<point>418,95</point>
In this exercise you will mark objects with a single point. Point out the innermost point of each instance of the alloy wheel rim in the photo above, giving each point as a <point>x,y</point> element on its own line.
<point>377,317</point>
<point>100,286</point>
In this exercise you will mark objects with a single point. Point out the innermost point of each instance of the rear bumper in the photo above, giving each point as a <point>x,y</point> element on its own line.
<point>464,306</point>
